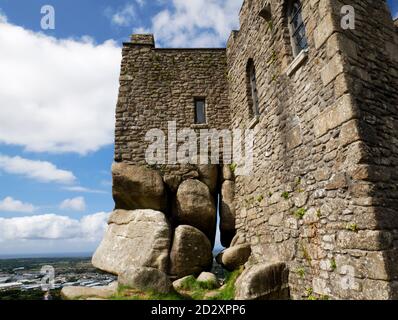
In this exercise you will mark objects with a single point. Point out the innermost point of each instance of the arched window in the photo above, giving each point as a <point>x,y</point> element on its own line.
<point>252,88</point>
<point>297,27</point>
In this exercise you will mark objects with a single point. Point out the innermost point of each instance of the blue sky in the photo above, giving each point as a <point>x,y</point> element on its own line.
<point>58,90</point>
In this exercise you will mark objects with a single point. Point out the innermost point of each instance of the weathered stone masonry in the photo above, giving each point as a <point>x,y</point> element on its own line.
<point>159,85</point>
<point>323,197</point>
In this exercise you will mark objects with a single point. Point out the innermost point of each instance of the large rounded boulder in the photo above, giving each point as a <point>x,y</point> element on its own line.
<point>208,174</point>
<point>195,207</point>
<point>234,257</point>
<point>137,187</point>
<point>145,279</point>
<point>139,238</point>
<point>191,252</point>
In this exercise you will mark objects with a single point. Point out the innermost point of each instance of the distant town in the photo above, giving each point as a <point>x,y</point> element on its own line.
<point>23,278</point>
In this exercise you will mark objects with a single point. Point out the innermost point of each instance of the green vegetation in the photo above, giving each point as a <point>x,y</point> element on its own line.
<point>227,292</point>
<point>301,272</point>
<point>309,294</point>
<point>353,227</point>
<point>32,295</point>
<point>285,195</point>
<point>125,293</point>
<point>333,264</point>
<point>270,25</point>
<point>300,213</point>
<point>191,289</point>
<point>260,198</point>
<point>233,167</point>
<point>306,255</point>
<point>62,265</point>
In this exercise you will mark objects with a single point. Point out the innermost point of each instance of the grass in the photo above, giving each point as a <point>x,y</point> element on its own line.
<point>191,289</point>
<point>228,290</point>
<point>126,293</point>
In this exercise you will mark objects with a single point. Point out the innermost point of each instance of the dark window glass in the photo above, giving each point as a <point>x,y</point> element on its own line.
<point>297,28</point>
<point>253,87</point>
<point>200,111</point>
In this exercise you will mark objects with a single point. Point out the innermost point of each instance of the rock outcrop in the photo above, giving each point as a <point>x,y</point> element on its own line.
<point>209,279</point>
<point>145,279</point>
<point>179,283</point>
<point>208,174</point>
<point>137,187</point>
<point>191,252</point>
<point>195,207</point>
<point>138,238</point>
<point>263,282</point>
<point>74,293</point>
<point>234,257</point>
<point>238,239</point>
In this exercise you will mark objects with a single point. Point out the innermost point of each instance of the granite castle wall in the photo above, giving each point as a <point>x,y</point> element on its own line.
<point>323,195</point>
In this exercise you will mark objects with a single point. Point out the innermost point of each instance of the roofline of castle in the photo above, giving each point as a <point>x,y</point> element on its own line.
<point>174,49</point>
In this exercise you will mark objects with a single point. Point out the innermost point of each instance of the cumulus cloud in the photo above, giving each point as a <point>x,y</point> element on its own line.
<point>3,17</point>
<point>9,204</point>
<point>196,23</point>
<point>84,190</point>
<point>53,227</point>
<point>41,171</point>
<point>122,17</point>
<point>141,3</point>
<point>75,204</point>
<point>56,95</point>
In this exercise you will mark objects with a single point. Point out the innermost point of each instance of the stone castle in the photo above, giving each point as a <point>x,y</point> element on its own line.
<point>318,216</point>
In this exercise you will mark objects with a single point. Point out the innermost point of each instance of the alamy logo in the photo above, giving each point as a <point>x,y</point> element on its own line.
<point>348,19</point>
<point>348,279</point>
<point>48,279</point>
<point>48,20</point>
<point>187,147</point>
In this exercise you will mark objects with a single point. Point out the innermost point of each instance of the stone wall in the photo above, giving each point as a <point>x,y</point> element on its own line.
<point>160,85</point>
<point>322,196</point>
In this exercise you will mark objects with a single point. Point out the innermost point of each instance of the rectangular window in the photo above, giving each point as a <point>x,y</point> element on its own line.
<point>200,111</point>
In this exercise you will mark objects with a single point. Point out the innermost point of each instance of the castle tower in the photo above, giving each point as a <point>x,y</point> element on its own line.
<point>317,82</point>
<point>326,143</point>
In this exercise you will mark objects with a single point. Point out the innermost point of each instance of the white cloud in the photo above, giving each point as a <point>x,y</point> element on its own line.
<point>9,204</point>
<point>61,96</point>
<point>41,171</point>
<point>123,17</point>
<point>53,227</point>
<point>83,189</point>
<point>141,3</point>
<point>75,204</point>
<point>196,23</point>
<point>3,17</point>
